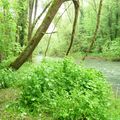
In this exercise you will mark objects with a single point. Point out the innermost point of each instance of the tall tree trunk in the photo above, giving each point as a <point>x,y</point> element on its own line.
<point>117,18</point>
<point>81,11</point>
<point>76,5</point>
<point>31,6</point>
<point>95,5</point>
<point>21,22</point>
<point>110,27</point>
<point>96,30</point>
<point>35,11</point>
<point>30,18</point>
<point>38,36</point>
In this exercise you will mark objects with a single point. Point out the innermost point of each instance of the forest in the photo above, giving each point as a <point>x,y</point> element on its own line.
<point>59,59</point>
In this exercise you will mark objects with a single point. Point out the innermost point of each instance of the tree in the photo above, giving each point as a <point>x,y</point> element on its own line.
<point>39,34</point>
<point>21,21</point>
<point>7,29</point>
<point>116,18</point>
<point>76,5</point>
<point>96,30</point>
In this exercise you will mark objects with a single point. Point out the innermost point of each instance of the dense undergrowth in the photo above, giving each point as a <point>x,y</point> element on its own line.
<point>65,90</point>
<point>113,51</point>
<point>58,90</point>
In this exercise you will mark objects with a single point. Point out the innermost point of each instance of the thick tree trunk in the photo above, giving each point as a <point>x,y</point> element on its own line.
<point>38,36</point>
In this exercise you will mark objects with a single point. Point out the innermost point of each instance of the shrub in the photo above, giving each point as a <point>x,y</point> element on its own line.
<point>65,91</point>
<point>5,63</point>
<point>7,77</point>
<point>113,52</point>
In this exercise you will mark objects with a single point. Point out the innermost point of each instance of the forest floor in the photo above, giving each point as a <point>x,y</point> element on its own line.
<point>7,96</point>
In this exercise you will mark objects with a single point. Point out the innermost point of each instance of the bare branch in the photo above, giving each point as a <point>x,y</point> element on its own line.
<point>35,22</point>
<point>76,5</point>
<point>51,32</point>
<point>68,14</point>
<point>35,12</point>
<point>55,27</point>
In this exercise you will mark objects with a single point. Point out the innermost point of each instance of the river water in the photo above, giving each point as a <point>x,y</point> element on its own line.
<point>111,70</point>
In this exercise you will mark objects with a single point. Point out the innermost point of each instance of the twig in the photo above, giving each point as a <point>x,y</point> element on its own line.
<point>54,28</point>
<point>68,15</point>
<point>35,22</point>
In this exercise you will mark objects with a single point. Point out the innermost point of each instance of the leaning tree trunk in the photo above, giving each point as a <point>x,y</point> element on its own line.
<point>38,36</point>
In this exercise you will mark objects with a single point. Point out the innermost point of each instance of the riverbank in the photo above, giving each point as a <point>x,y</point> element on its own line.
<point>96,56</point>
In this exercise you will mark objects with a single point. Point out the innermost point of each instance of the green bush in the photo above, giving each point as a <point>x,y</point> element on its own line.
<point>113,52</point>
<point>65,91</point>
<point>5,63</point>
<point>7,77</point>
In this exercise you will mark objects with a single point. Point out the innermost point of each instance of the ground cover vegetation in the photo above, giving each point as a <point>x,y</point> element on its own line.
<point>56,87</point>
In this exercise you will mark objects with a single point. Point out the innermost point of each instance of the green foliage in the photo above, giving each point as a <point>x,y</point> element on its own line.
<point>109,29</point>
<point>113,52</point>
<point>7,29</point>
<point>66,91</point>
<point>10,78</point>
<point>114,111</point>
<point>21,8</point>
<point>9,43</point>
<point>7,77</point>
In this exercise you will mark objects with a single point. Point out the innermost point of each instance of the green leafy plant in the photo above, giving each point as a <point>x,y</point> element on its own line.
<point>113,52</point>
<point>7,77</point>
<point>66,91</point>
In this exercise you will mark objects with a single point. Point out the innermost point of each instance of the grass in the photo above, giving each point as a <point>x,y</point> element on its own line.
<point>115,108</point>
<point>7,96</point>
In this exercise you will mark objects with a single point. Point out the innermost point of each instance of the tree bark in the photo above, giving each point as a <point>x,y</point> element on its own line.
<point>35,12</point>
<point>110,24</point>
<point>38,35</point>
<point>76,5</point>
<point>31,7</point>
<point>117,19</point>
<point>96,30</point>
